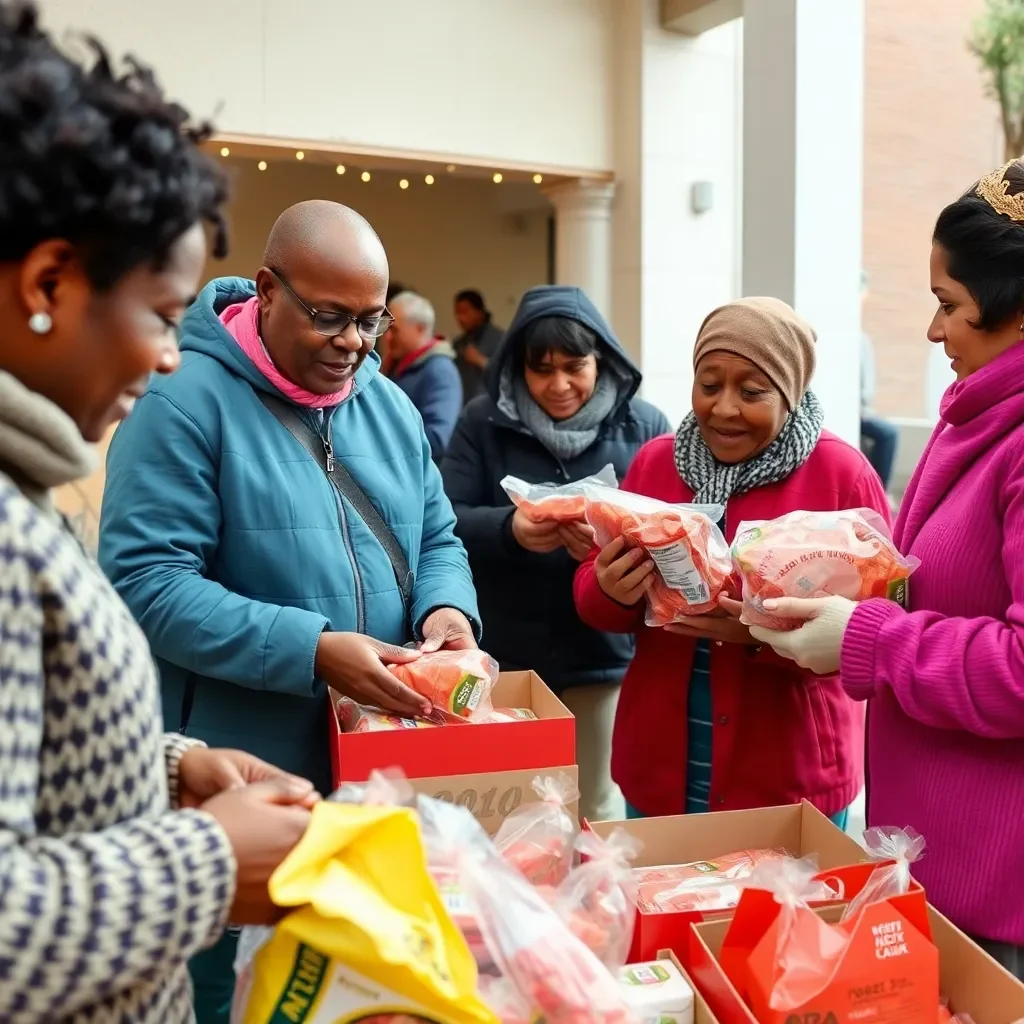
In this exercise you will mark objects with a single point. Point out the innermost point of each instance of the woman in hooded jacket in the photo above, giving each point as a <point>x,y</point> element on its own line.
<point>560,405</point>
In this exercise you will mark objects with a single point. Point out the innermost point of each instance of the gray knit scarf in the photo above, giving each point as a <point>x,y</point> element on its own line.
<point>567,438</point>
<point>714,482</point>
<point>40,445</point>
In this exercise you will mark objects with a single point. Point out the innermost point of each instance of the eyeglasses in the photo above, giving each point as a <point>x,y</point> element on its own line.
<point>331,322</point>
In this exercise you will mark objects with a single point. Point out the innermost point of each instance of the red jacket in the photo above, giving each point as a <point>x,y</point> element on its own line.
<point>780,733</point>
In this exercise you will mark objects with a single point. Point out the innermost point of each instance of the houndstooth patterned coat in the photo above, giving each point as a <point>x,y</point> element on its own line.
<point>104,891</point>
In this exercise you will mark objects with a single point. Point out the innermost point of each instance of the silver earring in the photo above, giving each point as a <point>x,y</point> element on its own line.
<point>40,323</point>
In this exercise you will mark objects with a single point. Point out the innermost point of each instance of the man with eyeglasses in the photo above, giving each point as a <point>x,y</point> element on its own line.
<point>273,517</point>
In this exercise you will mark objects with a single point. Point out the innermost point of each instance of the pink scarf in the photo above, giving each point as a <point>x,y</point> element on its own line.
<point>242,322</point>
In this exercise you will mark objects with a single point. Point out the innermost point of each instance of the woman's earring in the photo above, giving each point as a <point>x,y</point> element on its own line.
<point>40,323</point>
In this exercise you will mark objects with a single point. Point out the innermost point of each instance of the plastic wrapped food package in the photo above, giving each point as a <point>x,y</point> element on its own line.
<point>847,553</point>
<point>901,847</point>
<point>553,973</point>
<point>691,557</point>
<point>459,682</point>
<point>708,886</point>
<point>597,899</point>
<point>556,503</point>
<point>874,966</point>
<point>658,991</point>
<point>368,931</point>
<point>355,717</point>
<point>538,838</point>
<point>503,715</point>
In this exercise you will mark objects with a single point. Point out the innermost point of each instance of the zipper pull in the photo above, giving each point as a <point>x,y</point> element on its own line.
<point>329,449</point>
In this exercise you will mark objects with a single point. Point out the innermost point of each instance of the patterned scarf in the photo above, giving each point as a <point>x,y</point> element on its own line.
<point>714,482</point>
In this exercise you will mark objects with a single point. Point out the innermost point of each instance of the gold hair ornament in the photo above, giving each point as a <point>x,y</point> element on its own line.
<point>994,189</point>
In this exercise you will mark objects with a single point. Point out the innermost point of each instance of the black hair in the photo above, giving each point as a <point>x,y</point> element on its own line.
<point>985,253</point>
<point>554,334</point>
<point>473,297</point>
<point>96,156</point>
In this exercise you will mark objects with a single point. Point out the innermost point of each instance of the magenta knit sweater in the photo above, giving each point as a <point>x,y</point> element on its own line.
<point>946,679</point>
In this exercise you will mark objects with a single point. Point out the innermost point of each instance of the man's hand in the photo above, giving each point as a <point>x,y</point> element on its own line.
<point>447,629</point>
<point>578,539</point>
<point>818,643</point>
<point>354,665</point>
<point>203,773</point>
<point>537,537</point>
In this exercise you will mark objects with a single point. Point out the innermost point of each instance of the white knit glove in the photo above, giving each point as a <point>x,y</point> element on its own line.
<point>817,644</point>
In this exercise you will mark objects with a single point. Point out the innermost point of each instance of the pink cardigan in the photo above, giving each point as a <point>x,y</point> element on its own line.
<point>946,679</point>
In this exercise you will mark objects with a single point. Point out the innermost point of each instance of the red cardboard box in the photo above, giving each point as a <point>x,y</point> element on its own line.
<point>799,829</point>
<point>971,980</point>
<point>549,742</point>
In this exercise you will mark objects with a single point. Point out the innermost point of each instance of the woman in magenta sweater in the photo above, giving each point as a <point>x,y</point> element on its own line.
<point>945,680</point>
<point>707,718</point>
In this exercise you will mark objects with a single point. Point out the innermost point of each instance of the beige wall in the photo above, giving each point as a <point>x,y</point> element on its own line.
<point>458,233</point>
<point>517,80</point>
<point>929,132</point>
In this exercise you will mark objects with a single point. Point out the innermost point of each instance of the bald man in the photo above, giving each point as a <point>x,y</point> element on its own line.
<point>273,518</point>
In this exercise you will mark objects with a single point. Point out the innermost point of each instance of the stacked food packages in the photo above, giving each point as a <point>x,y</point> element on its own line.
<point>457,683</point>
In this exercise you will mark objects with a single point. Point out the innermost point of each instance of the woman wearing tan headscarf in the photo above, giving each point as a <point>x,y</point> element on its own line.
<point>707,719</point>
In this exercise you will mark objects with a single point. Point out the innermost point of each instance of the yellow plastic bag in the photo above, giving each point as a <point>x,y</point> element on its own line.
<point>371,938</point>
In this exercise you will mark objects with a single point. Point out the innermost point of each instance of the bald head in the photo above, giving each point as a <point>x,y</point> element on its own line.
<point>325,233</point>
<point>321,258</point>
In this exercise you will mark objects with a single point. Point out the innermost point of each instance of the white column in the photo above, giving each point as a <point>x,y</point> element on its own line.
<point>803,99</point>
<point>583,237</point>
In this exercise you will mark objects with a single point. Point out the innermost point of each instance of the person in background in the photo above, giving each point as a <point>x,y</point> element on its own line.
<point>260,573</point>
<point>423,366</point>
<point>478,342</point>
<point>882,437</point>
<point>944,680</point>
<point>382,350</point>
<point>123,849</point>
<point>560,406</point>
<point>709,718</point>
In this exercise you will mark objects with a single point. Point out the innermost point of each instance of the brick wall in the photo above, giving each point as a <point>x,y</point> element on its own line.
<point>929,132</point>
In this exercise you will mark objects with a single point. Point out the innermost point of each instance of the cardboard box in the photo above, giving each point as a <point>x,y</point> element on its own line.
<point>970,979</point>
<point>491,797</point>
<point>527,746</point>
<point>799,829</point>
<point>701,1011</point>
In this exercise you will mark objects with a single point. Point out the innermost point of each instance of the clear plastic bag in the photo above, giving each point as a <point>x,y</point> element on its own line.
<point>597,900</point>
<point>458,682</point>
<point>356,717</point>
<point>538,838</point>
<point>701,886</point>
<point>554,974</point>
<point>691,558</point>
<point>556,503</point>
<point>848,553</point>
<point>806,948</point>
<point>901,846</point>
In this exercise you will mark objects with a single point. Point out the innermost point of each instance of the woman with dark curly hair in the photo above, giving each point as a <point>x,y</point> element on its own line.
<point>105,891</point>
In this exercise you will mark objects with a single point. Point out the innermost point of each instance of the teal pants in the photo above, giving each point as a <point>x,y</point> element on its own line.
<point>838,819</point>
<point>213,980</point>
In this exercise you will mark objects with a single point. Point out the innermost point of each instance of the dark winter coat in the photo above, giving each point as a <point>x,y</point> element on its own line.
<point>432,383</point>
<point>526,599</point>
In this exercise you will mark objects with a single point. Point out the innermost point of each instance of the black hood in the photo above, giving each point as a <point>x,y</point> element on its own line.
<point>573,304</point>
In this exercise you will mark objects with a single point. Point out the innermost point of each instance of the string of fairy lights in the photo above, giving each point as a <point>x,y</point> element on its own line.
<point>367,176</point>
